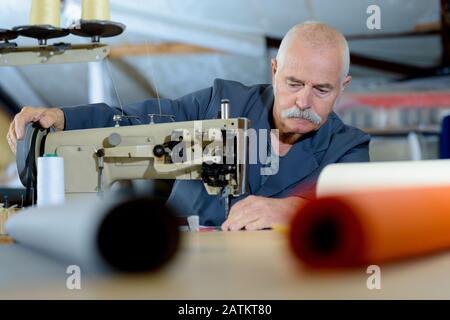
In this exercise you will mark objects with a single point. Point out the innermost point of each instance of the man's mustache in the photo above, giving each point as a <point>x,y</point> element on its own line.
<point>307,114</point>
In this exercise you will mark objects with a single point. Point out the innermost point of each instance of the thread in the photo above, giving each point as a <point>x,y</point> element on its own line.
<point>45,12</point>
<point>50,180</point>
<point>95,10</point>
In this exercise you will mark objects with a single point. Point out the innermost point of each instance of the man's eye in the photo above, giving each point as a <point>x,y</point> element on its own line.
<point>294,85</point>
<point>322,91</point>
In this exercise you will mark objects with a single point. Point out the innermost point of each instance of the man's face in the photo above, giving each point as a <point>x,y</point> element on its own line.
<point>306,87</point>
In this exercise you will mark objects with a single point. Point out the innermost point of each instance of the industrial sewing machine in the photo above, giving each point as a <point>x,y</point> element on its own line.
<point>214,151</point>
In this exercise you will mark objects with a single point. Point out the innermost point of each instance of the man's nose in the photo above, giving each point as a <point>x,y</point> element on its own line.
<point>304,98</point>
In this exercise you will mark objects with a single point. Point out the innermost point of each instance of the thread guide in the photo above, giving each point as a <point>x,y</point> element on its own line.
<point>96,29</point>
<point>13,55</point>
<point>53,54</point>
<point>41,32</point>
<point>5,36</point>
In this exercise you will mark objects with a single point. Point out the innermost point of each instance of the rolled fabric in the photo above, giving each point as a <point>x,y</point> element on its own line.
<point>351,177</point>
<point>128,235</point>
<point>372,227</point>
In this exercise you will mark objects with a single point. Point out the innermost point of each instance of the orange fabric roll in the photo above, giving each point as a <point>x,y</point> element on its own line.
<point>372,227</point>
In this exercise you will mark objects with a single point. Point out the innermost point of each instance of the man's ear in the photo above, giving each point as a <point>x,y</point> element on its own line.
<point>346,82</point>
<point>274,67</point>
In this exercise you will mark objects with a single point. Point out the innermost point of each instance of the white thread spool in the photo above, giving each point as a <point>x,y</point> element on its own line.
<point>50,180</point>
<point>45,12</point>
<point>95,10</point>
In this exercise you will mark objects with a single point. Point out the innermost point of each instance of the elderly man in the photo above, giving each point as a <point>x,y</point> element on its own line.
<point>309,74</point>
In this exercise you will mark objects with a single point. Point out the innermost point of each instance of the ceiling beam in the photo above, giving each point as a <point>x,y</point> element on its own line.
<point>118,52</point>
<point>390,66</point>
<point>390,35</point>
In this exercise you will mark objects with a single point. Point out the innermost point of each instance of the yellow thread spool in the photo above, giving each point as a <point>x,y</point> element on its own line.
<point>95,10</point>
<point>3,218</point>
<point>45,12</point>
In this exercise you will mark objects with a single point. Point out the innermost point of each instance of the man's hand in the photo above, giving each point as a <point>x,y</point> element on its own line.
<point>254,212</point>
<point>47,117</point>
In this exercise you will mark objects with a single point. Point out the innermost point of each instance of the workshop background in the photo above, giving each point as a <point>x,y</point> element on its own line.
<point>400,91</point>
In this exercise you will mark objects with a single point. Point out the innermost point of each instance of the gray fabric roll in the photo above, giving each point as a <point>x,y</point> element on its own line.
<point>129,235</point>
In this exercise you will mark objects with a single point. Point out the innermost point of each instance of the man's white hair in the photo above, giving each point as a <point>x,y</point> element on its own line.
<point>316,34</point>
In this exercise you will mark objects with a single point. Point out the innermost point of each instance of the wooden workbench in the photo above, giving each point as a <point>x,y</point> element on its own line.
<point>249,265</point>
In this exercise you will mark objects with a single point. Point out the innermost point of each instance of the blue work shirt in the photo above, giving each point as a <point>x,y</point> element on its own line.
<point>298,170</point>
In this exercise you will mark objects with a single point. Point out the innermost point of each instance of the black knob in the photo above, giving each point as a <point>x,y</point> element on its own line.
<point>159,150</point>
<point>100,153</point>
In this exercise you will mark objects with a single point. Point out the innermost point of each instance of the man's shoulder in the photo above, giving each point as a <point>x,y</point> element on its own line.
<point>244,99</point>
<point>343,131</point>
<point>221,85</point>
<point>339,139</point>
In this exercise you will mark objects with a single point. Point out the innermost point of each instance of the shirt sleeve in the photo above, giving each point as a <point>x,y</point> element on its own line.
<point>190,107</point>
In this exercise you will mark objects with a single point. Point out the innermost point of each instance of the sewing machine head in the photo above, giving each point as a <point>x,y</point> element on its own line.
<point>214,151</point>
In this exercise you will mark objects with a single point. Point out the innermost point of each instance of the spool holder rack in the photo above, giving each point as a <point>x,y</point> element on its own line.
<point>13,55</point>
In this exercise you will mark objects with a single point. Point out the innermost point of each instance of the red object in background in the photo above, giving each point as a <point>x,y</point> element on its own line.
<point>432,99</point>
<point>371,227</point>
